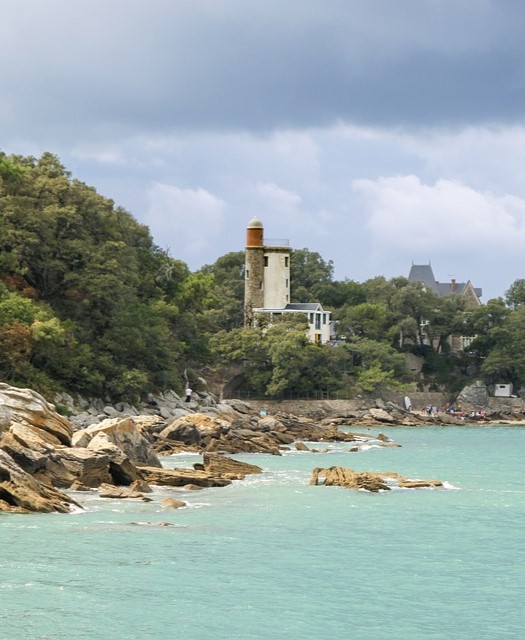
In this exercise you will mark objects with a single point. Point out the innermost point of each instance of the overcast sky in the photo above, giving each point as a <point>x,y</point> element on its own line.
<point>376,132</point>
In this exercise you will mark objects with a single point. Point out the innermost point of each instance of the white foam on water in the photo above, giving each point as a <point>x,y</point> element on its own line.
<point>450,487</point>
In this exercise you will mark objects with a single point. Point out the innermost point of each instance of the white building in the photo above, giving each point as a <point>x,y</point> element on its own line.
<point>267,285</point>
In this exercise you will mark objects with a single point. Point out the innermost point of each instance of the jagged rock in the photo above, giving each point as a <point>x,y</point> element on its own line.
<point>475,395</point>
<point>120,493</point>
<point>68,465</point>
<point>172,503</point>
<point>239,406</point>
<point>203,424</point>
<point>20,492</point>
<point>182,432</point>
<point>300,446</point>
<point>140,486</point>
<point>243,441</point>
<point>78,486</point>
<point>367,480</point>
<point>121,469</point>
<point>32,410</point>
<point>30,453</point>
<point>226,467</point>
<point>381,415</point>
<point>125,434</point>
<point>420,484</point>
<point>341,477</point>
<point>269,423</point>
<point>182,477</point>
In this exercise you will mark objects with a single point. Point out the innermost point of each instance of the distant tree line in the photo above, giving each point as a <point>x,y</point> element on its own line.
<point>89,304</point>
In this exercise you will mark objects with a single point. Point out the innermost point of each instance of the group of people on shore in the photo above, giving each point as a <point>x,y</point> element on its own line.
<point>453,410</point>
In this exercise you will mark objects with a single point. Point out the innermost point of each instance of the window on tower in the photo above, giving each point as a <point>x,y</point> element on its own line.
<point>265,261</point>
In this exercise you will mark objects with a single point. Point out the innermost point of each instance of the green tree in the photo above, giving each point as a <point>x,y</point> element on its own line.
<point>366,320</point>
<point>309,272</point>
<point>515,295</point>
<point>227,294</point>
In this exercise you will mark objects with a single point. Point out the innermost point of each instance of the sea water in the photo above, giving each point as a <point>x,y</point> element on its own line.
<point>273,557</point>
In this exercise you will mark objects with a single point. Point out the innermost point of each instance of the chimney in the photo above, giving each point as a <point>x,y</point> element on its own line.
<point>453,286</point>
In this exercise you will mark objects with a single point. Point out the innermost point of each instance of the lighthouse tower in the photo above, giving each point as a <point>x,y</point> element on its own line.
<point>267,272</point>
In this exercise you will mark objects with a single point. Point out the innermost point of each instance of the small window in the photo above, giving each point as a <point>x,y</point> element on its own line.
<point>247,274</point>
<point>260,284</point>
<point>286,261</point>
<point>287,283</point>
<point>265,261</point>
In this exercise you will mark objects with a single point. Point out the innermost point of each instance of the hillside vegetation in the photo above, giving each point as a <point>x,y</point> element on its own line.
<point>88,303</point>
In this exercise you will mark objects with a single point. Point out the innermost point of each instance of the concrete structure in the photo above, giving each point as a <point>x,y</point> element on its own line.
<point>503,391</point>
<point>267,285</point>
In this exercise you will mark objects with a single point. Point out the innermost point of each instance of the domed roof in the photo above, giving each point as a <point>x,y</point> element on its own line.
<point>255,223</point>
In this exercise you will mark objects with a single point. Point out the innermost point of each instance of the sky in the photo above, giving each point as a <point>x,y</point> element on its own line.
<point>378,133</point>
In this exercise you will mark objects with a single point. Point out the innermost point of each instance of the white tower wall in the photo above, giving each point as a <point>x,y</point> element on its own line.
<point>276,277</point>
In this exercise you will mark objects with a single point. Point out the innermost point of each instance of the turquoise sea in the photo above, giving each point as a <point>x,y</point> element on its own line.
<point>272,557</point>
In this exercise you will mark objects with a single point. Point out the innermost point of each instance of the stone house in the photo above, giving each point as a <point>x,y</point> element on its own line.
<point>423,273</point>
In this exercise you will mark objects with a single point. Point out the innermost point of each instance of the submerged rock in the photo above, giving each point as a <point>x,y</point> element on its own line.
<point>120,493</point>
<point>172,503</point>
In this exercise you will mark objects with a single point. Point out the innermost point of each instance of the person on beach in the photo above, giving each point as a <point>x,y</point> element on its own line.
<point>188,394</point>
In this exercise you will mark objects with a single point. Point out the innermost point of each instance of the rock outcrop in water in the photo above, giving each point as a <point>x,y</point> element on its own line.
<point>367,480</point>
<point>21,493</point>
<point>122,451</point>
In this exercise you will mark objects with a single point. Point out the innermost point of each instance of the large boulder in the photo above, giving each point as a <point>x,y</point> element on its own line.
<point>381,415</point>
<point>192,428</point>
<point>21,493</point>
<point>474,396</point>
<point>101,461</point>
<point>78,465</point>
<point>124,433</point>
<point>29,408</point>
<point>121,468</point>
<point>226,467</point>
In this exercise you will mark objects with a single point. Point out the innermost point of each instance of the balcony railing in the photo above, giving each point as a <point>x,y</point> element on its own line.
<point>276,242</point>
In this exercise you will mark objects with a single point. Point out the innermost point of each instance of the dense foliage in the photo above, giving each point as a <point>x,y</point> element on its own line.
<point>88,303</point>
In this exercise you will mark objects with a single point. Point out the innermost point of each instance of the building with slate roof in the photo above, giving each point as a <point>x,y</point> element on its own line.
<point>423,273</point>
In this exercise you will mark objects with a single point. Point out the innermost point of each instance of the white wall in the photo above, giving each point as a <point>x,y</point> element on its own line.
<point>276,279</point>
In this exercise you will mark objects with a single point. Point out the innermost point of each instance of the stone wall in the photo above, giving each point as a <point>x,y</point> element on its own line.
<point>316,408</point>
<point>507,405</point>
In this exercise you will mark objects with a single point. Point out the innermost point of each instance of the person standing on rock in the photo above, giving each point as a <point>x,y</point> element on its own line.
<point>189,393</point>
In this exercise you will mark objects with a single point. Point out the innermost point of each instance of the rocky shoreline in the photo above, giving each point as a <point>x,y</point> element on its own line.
<point>45,457</point>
